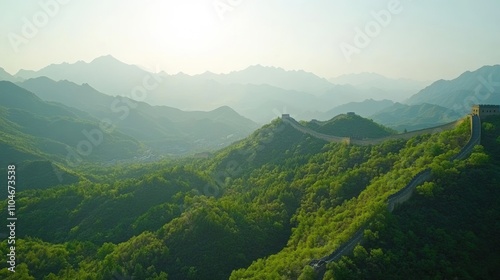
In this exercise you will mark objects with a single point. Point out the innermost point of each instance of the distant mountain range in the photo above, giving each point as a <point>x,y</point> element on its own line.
<point>32,129</point>
<point>258,92</point>
<point>394,89</point>
<point>481,86</point>
<point>413,117</point>
<point>441,102</point>
<point>263,93</point>
<point>4,76</point>
<point>167,130</point>
<point>276,77</point>
<point>364,108</point>
<point>52,129</point>
<point>105,73</point>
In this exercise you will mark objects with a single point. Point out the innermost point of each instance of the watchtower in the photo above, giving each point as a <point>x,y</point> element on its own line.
<point>484,110</point>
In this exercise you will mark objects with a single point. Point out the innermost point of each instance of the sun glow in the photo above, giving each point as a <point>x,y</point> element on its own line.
<point>185,25</point>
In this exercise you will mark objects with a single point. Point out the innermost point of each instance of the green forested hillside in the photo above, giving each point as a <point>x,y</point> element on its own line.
<point>448,231</point>
<point>263,208</point>
<point>165,129</point>
<point>48,138</point>
<point>32,126</point>
<point>350,125</point>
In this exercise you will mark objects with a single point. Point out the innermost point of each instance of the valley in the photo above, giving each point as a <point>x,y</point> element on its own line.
<point>259,140</point>
<point>316,195</point>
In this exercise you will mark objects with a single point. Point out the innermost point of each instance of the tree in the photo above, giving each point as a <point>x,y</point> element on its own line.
<point>308,273</point>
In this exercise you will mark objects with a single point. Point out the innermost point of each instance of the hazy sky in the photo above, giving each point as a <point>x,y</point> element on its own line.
<point>424,40</point>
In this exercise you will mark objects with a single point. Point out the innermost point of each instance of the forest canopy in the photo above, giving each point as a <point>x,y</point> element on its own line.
<point>264,207</point>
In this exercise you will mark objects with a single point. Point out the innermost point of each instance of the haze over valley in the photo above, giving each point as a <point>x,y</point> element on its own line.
<point>215,139</point>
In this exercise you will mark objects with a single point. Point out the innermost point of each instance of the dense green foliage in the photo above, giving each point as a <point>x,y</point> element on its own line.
<point>448,231</point>
<point>96,132</point>
<point>326,218</point>
<point>44,137</point>
<point>47,129</point>
<point>262,208</point>
<point>350,125</point>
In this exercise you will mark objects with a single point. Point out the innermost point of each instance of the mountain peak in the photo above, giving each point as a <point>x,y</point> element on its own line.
<point>452,93</point>
<point>260,67</point>
<point>225,111</point>
<point>258,74</point>
<point>6,76</point>
<point>106,58</point>
<point>350,125</point>
<point>224,108</point>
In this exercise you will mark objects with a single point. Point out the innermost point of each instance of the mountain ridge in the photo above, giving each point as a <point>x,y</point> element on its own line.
<point>255,91</point>
<point>471,87</point>
<point>411,117</point>
<point>52,131</point>
<point>165,129</point>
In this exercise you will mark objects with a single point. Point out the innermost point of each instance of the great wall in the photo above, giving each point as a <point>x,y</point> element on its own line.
<point>370,141</point>
<point>403,194</point>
